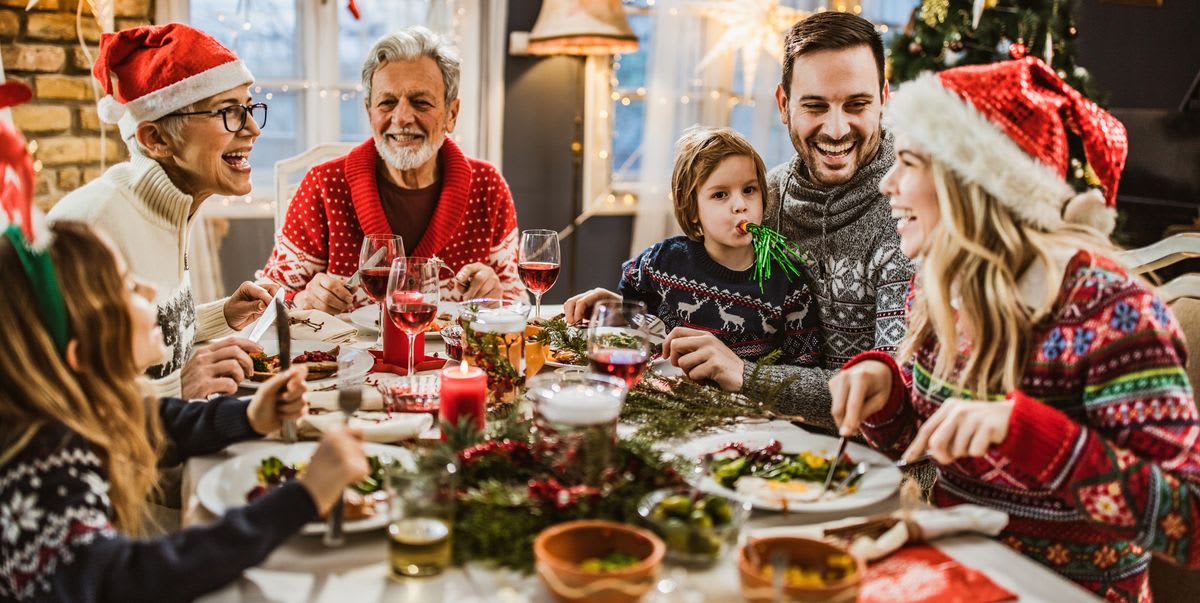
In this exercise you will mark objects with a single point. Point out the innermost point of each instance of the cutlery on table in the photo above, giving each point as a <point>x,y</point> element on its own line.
<point>264,321</point>
<point>833,465</point>
<point>283,330</point>
<point>370,263</point>
<point>349,401</point>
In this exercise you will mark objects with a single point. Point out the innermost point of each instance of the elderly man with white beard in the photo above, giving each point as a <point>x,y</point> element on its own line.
<point>408,180</point>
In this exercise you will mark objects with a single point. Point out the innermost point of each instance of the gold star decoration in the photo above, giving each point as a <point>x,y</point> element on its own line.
<point>751,27</point>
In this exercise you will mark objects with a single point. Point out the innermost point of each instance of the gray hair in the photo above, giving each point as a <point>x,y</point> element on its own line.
<point>410,44</point>
<point>170,125</point>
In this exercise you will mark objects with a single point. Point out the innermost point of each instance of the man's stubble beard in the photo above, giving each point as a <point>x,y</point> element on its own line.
<point>864,154</point>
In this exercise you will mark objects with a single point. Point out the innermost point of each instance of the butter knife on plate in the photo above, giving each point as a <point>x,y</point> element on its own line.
<point>268,317</point>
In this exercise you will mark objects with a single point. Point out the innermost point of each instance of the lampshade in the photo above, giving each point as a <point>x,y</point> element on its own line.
<point>582,27</point>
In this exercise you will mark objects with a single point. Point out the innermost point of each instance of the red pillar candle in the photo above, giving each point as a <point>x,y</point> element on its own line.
<point>395,344</point>
<point>464,389</point>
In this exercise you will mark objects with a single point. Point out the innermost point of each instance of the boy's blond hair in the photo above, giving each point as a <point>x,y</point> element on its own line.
<point>697,153</point>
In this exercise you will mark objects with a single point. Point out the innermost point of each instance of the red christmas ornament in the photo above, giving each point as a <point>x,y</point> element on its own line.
<point>1017,50</point>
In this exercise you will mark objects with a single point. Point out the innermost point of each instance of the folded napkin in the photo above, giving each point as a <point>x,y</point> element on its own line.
<point>923,574</point>
<point>424,363</point>
<point>326,401</point>
<point>376,426</point>
<point>315,325</point>
<point>921,525</point>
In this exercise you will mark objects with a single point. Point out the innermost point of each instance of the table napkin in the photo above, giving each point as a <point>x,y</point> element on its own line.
<point>315,325</point>
<point>923,574</point>
<point>927,525</point>
<point>376,426</point>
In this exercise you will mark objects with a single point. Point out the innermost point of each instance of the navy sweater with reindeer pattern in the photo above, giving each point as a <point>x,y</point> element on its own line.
<point>685,287</point>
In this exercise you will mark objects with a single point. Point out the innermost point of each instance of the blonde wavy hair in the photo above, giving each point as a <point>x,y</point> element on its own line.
<point>974,259</point>
<point>104,400</point>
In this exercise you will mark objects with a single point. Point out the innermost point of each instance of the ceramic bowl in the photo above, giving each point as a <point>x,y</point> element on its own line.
<point>559,550</point>
<point>805,553</point>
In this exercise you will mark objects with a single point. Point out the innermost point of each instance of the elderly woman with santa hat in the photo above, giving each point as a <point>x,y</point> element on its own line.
<point>182,102</point>
<point>1043,379</point>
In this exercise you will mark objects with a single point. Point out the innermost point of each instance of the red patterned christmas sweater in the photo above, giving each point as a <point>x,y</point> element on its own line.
<point>1101,464</point>
<point>338,203</point>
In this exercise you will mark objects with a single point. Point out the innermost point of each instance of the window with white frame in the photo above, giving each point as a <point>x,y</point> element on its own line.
<point>307,56</point>
<point>751,112</point>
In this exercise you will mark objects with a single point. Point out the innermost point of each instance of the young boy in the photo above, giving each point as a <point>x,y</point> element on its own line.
<point>703,280</point>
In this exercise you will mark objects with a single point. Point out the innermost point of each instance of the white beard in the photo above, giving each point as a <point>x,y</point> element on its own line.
<point>407,159</point>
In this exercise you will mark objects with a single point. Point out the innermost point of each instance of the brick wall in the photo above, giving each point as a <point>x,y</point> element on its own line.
<point>41,48</point>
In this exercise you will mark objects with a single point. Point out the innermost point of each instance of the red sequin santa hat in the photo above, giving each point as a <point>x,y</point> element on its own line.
<point>161,69</point>
<point>1003,126</point>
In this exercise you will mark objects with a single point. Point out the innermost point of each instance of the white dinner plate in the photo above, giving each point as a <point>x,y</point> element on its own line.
<point>226,485</point>
<point>360,361</point>
<point>367,317</point>
<point>876,485</point>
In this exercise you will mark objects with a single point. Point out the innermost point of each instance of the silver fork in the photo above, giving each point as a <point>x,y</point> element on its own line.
<point>349,401</point>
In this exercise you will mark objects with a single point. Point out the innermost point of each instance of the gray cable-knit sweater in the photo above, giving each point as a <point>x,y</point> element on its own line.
<point>859,274</point>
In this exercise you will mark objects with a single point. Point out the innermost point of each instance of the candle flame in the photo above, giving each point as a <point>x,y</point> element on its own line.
<point>463,367</point>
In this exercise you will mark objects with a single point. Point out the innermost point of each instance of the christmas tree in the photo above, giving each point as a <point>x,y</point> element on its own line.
<point>949,33</point>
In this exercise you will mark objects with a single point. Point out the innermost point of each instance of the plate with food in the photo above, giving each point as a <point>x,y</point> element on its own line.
<point>367,317</point>
<point>247,476</point>
<point>784,471</point>
<point>320,357</point>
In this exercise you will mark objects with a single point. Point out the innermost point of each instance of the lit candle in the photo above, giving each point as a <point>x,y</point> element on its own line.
<point>464,389</point>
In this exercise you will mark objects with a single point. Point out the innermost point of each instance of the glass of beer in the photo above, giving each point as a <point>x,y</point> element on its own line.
<point>421,521</point>
<point>575,414</point>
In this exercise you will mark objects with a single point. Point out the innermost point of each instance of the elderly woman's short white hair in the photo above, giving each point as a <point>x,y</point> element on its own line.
<point>411,44</point>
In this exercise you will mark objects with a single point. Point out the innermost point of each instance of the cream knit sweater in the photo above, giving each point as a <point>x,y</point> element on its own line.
<point>148,218</point>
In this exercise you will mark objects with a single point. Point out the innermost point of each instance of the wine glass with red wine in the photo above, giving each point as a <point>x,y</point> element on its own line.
<point>413,292</point>
<point>375,264</point>
<point>538,263</point>
<point>618,342</point>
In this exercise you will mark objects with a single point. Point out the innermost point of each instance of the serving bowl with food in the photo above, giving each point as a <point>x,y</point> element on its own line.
<point>593,561</point>
<point>697,527</point>
<point>793,568</point>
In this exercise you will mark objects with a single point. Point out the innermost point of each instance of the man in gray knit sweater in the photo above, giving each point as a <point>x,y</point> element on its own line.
<point>827,201</point>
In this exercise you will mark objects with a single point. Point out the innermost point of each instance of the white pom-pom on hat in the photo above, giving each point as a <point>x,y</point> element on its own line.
<point>1089,209</point>
<point>110,110</point>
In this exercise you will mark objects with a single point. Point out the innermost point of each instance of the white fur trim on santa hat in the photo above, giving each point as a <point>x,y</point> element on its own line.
<point>154,105</point>
<point>941,123</point>
<point>1090,209</point>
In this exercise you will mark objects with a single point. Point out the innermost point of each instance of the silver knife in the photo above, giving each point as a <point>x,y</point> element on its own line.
<point>833,464</point>
<point>371,261</point>
<point>349,400</point>
<point>264,321</point>
<point>283,330</point>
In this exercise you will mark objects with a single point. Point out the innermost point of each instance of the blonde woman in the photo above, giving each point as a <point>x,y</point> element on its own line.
<point>1043,379</point>
<point>79,439</point>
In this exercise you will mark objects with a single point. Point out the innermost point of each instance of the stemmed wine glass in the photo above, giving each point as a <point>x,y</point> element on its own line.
<point>413,292</point>
<point>375,264</point>
<point>538,263</point>
<point>618,342</point>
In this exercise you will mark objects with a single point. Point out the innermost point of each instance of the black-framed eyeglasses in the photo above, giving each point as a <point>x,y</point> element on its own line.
<point>234,116</point>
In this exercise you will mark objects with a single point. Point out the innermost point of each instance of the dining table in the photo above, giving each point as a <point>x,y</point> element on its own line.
<point>303,569</point>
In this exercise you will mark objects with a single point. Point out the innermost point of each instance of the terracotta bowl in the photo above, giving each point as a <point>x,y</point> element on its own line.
<point>804,552</point>
<point>559,550</point>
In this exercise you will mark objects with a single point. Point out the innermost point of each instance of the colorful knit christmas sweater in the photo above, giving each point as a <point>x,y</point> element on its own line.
<point>1101,463</point>
<point>58,543</point>
<point>683,286</point>
<point>338,203</point>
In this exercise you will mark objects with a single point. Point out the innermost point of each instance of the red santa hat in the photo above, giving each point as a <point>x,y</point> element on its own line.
<point>1003,126</point>
<point>161,69</point>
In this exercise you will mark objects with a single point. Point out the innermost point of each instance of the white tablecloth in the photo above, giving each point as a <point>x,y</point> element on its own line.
<point>305,570</point>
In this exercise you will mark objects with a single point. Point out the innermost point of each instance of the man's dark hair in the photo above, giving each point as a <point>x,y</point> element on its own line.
<point>829,30</point>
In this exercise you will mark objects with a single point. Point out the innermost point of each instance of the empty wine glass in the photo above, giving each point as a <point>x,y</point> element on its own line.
<point>413,292</point>
<point>538,263</point>
<point>375,264</point>
<point>618,341</point>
